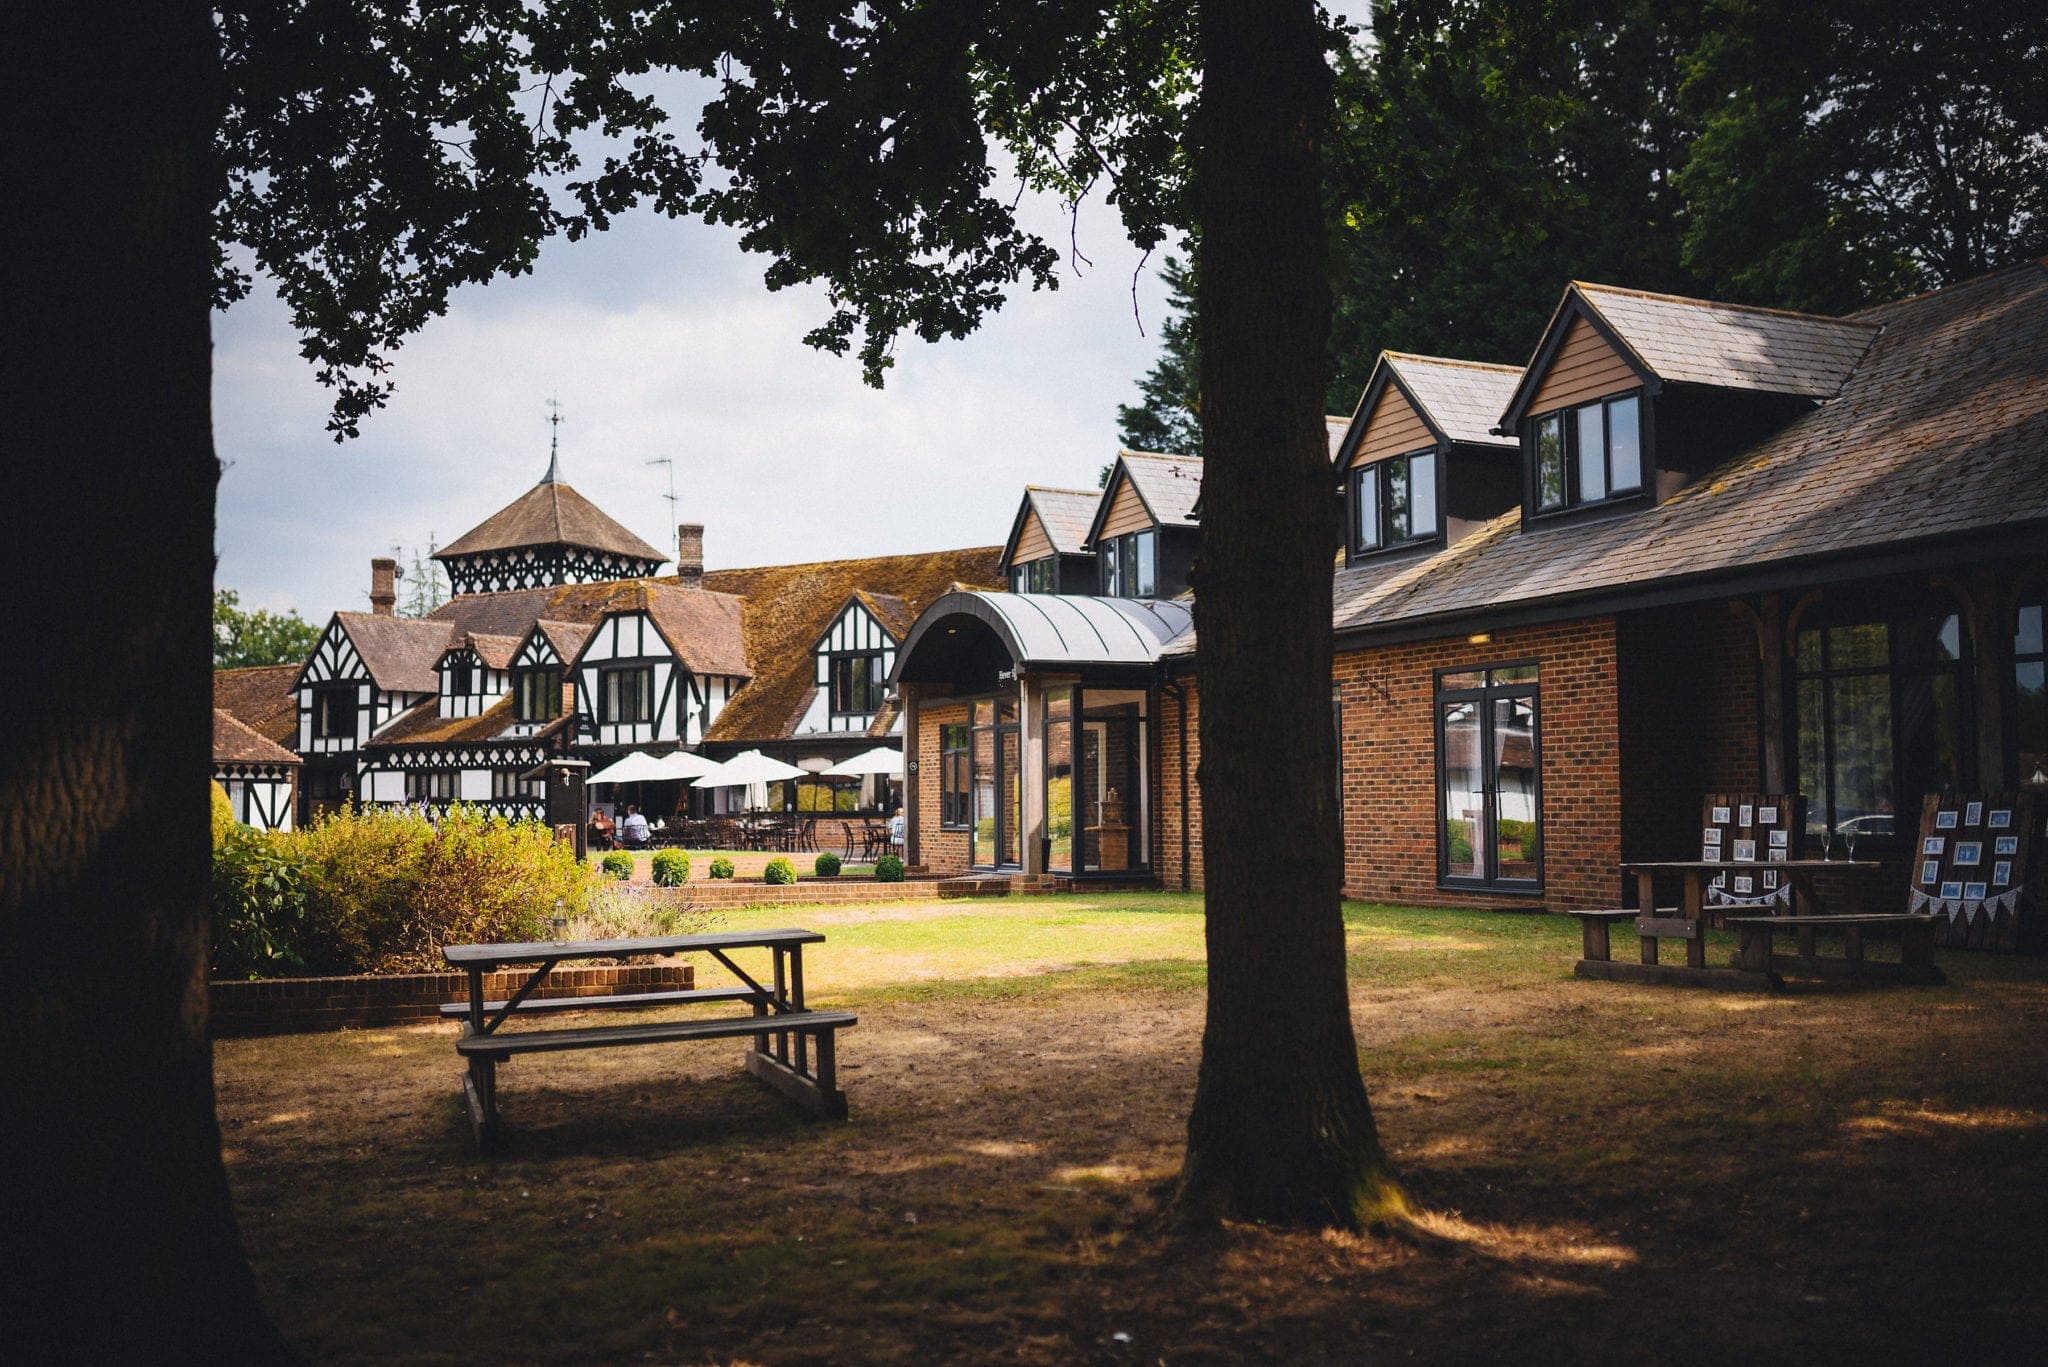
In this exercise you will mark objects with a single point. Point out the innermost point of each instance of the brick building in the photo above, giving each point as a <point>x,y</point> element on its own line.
<point>1689,548</point>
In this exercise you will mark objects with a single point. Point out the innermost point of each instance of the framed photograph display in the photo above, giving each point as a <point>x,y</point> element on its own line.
<point>1973,814</point>
<point>1745,851</point>
<point>1743,883</point>
<point>1711,836</point>
<point>1945,821</point>
<point>1770,879</point>
<point>1951,889</point>
<point>1720,817</point>
<point>1934,844</point>
<point>1930,872</point>
<point>2001,873</point>
<point>1747,818</point>
<point>1969,854</point>
<point>1767,816</point>
<point>1781,840</point>
<point>1973,892</point>
<point>2005,844</point>
<point>2001,819</point>
<point>1779,855</point>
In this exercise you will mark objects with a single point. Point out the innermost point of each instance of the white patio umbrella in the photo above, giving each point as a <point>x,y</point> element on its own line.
<point>638,767</point>
<point>749,766</point>
<point>880,760</point>
<point>687,764</point>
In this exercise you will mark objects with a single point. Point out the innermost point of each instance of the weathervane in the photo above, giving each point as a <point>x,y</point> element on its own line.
<point>554,441</point>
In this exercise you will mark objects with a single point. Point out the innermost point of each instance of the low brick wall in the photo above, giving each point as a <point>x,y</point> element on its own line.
<point>284,1006</point>
<point>723,894</point>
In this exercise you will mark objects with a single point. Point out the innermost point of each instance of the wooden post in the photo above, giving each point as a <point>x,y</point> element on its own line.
<point>1770,684</point>
<point>1696,947</point>
<point>1993,653</point>
<point>1646,907</point>
<point>1593,934</point>
<point>911,825</point>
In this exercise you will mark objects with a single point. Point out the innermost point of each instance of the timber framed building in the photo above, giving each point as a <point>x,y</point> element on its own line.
<point>1688,548</point>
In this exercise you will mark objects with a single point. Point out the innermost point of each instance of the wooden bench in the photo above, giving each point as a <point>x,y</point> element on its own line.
<point>810,1078</point>
<point>631,1001</point>
<point>1916,947</point>
<point>1593,926</point>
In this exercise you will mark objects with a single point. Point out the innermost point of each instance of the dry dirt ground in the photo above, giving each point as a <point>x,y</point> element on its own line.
<point>1602,1173</point>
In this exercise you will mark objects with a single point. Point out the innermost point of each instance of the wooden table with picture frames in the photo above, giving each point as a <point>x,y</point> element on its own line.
<point>1973,870</point>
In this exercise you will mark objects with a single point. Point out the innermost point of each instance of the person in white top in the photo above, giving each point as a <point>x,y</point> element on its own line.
<point>633,830</point>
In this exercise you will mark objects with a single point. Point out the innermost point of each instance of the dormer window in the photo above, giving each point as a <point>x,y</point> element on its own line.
<point>1040,576</point>
<point>1130,565</point>
<point>538,694</point>
<point>857,684</point>
<point>1394,503</point>
<point>459,677</point>
<point>1589,454</point>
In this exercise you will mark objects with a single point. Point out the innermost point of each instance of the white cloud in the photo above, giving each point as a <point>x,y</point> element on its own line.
<point>660,341</point>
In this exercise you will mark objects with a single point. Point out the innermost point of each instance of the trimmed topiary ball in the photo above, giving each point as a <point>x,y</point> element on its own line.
<point>721,867</point>
<point>888,869</point>
<point>619,866</point>
<point>827,865</point>
<point>671,868</point>
<point>779,871</point>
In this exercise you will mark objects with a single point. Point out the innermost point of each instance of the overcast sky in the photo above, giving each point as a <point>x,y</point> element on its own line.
<point>660,340</point>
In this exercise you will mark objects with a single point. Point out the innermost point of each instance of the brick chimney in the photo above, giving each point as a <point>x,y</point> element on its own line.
<point>690,554</point>
<point>384,587</point>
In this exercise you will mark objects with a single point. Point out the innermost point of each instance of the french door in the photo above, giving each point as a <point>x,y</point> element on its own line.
<point>1489,779</point>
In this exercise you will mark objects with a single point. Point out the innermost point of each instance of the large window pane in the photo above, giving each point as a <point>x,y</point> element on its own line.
<point>1012,789</point>
<point>1397,502</point>
<point>1517,851</point>
<point>1865,645</point>
<point>984,852</point>
<point>1059,779</point>
<point>2030,723</point>
<point>1366,506</point>
<point>1550,462</point>
<point>1625,444</point>
<point>1930,735</point>
<point>1861,766</point>
<point>1147,574</point>
<point>1422,495</point>
<point>1813,754</point>
<point>1592,453</point>
<point>1464,797</point>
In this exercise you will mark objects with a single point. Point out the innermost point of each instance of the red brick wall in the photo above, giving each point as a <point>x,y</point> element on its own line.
<point>943,852</point>
<point>1389,757</point>
<point>1687,682</point>
<point>724,894</point>
<point>1166,841</point>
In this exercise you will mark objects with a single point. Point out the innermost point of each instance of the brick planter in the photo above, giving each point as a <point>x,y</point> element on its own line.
<point>283,1006</point>
<point>724,894</point>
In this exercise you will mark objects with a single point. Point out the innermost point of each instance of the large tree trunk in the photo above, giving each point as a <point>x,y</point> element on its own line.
<point>122,1241</point>
<point>1281,1129</point>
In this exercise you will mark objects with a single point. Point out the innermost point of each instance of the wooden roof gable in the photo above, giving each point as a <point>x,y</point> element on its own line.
<point>1168,487</point>
<point>702,628</point>
<point>1062,518</point>
<point>1668,338</point>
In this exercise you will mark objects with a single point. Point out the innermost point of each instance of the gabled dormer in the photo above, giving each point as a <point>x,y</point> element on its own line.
<point>1420,463</point>
<point>474,673</point>
<point>1048,547</point>
<point>1633,395</point>
<point>1145,532</point>
<point>539,670</point>
<point>365,670</point>
<point>659,666</point>
<point>852,659</point>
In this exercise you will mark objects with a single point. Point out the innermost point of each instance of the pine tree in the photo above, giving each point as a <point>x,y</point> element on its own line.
<point>1169,420</point>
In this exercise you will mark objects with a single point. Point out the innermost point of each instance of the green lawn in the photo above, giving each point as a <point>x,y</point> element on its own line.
<point>1601,1171</point>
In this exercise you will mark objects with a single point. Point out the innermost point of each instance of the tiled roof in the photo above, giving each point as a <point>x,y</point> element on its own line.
<point>234,743</point>
<point>495,651</point>
<point>262,698</point>
<point>400,652</point>
<point>550,514</point>
<point>1942,430</point>
<point>699,626</point>
<point>788,608</point>
<point>891,611</point>
<point>566,637</point>
<point>424,725</point>
<point>1697,341</point>
<point>1065,514</point>
<point>1334,427</point>
<point>1463,398</point>
<point>702,627</point>
<point>1168,484</point>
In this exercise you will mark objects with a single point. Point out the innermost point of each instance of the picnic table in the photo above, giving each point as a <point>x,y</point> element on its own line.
<point>790,1046</point>
<point>1687,921</point>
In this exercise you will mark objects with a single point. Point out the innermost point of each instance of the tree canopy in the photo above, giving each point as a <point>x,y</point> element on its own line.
<point>258,637</point>
<point>1822,157</point>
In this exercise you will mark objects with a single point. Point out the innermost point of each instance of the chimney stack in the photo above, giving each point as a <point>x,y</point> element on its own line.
<point>690,554</point>
<point>384,587</point>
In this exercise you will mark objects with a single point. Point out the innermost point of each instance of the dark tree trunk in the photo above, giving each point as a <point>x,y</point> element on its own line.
<point>1281,1129</point>
<point>122,1240</point>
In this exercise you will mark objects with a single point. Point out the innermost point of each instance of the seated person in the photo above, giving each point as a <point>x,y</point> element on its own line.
<point>633,830</point>
<point>896,831</point>
<point>601,830</point>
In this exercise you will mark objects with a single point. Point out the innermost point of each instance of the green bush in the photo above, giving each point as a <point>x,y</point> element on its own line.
<point>721,867</point>
<point>779,871</point>
<point>260,918</point>
<point>223,815</point>
<point>888,869</point>
<point>827,865</point>
<point>617,865</point>
<point>381,890</point>
<point>671,868</point>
